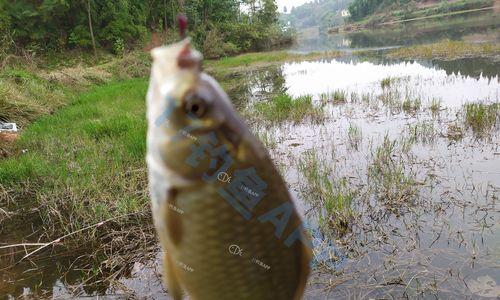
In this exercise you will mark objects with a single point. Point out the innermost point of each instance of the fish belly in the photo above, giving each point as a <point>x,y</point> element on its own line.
<point>221,255</point>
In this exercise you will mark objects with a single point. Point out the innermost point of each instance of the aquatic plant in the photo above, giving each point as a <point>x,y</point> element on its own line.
<point>391,99</point>
<point>339,96</point>
<point>411,105</point>
<point>354,136</point>
<point>392,183</point>
<point>481,117</point>
<point>366,97</point>
<point>268,139</point>
<point>354,97</point>
<point>386,82</point>
<point>435,106</point>
<point>454,132</point>
<point>284,107</point>
<point>334,195</point>
<point>336,97</point>
<point>423,132</point>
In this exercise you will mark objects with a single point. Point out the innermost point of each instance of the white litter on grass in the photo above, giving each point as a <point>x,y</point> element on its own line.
<point>9,127</point>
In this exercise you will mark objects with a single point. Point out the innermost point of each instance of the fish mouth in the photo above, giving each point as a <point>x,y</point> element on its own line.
<point>167,60</point>
<point>189,58</point>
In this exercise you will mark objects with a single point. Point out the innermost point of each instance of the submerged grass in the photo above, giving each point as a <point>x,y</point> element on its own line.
<point>411,106</point>
<point>393,184</point>
<point>422,132</point>
<point>354,136</point>
<point>447,49</point>
<point>386,82</point>
<point>481,117</point>
<point>334,195</point>
<point>435,106</point>
<point>284,107</point>
<point>335,97</point>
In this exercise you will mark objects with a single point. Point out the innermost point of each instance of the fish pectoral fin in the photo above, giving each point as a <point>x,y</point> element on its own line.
<point>171,280</point>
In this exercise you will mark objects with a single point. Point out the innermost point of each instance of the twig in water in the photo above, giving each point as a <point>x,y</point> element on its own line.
<point>58,240</point>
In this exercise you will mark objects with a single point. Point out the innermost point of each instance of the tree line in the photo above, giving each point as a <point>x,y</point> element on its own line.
<point>219,27</point>
<point>322,13</point>
<point>360,9</point>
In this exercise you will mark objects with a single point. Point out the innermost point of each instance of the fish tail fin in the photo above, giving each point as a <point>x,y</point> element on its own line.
<point>170,278</point>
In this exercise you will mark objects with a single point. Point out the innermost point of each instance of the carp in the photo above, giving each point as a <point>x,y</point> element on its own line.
<point>225,220</point>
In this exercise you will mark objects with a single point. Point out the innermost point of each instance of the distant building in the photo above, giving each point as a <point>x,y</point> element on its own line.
<point>345,13</point>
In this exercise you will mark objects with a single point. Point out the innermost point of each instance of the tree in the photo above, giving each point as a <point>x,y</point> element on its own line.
<point>91,29</point>
<point>48,25</point>
<point>269,12</point>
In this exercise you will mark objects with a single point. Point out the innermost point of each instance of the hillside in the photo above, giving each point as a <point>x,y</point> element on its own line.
<point>320,13</point>
<point>372,12</point>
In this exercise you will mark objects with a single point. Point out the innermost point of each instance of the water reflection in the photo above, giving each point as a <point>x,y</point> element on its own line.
<point>474,67</point>
<point>453,82</point>
<point>446,234</point>
<point>478,26</point>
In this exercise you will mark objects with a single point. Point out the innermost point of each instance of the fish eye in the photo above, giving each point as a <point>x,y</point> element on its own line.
<point>195,105</point>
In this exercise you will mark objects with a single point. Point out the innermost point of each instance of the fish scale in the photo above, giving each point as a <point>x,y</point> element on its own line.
<point>195,223</point>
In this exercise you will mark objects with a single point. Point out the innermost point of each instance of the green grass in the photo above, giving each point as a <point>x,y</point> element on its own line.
<point>423,132</point>
<point>386,82</point>
<point>286,108</point>
<point>334,195</point>
<point>354,136</point>
<point>29,93</point>
<point>435,106</point>
<point>335,97</point>
<point>393,184</point>
<point>252,59</point>
<point>411,106</point>
<point>481,117</point>
<point>85,163</point>
<point>447,50</point>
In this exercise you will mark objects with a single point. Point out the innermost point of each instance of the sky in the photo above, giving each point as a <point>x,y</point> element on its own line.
<point>290,3</point>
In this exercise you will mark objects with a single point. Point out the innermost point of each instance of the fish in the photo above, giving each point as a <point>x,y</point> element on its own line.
<point>225,220</point>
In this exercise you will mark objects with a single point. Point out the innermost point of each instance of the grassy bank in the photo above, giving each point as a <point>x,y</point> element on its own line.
<point>83,165</point>
<point>28,91</point>
<point>447,50</point>
<point>264,58</point>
